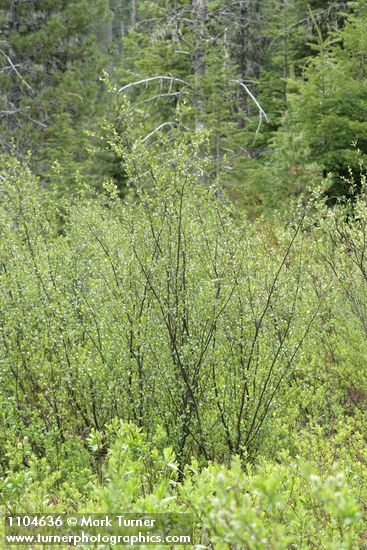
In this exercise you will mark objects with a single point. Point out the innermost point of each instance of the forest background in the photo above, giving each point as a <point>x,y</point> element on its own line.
<point>183,281</point>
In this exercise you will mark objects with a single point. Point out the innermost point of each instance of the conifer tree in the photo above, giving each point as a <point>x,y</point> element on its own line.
<point>52,57</point>
<point>326,122</point>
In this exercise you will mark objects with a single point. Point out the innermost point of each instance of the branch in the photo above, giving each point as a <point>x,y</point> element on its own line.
<point>172,124</point>
<point>16,71</point>
<point>158,96</point>
<point>145,80</point>
<point>260,109</point>
<point>13,111</point>
<point>37,122</point>
<point>336,6</point>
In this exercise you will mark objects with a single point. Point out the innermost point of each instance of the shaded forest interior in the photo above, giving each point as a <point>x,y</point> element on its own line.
<point>279,86</point>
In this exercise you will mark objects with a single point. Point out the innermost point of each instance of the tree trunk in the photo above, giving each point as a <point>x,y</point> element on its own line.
<point>200,20</point>
<point>132,13</point>
<point>14,95</point>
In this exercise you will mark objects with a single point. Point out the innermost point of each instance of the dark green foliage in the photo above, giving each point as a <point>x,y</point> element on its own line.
<point>279,87</point>
<point>324,122</point>
<point>52,59</point>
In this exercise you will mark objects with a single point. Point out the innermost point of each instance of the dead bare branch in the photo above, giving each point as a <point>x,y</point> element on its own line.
<point>262,113</point>
<point>172,124</point>
<point>14,68</point>
<point>151,79</point>
<point>157,96</point>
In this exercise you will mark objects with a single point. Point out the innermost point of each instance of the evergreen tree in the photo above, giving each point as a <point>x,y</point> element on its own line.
<point>52,58</point>
<point>189,58</point>
<point>326,116</point>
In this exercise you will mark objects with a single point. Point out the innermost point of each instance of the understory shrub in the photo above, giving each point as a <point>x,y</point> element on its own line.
<point>165,308</point>
<point>310,502</point>
<point>160,352</point>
